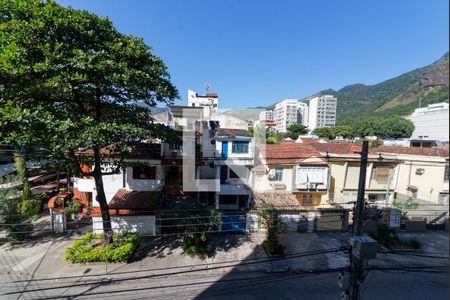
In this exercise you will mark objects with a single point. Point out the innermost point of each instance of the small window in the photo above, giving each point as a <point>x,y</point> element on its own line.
<point>279,173</point>
<point>446,173</point>
<point>175,146</point>
<point>144,172</point>
<point>307,199</point>
<point>240,147</point>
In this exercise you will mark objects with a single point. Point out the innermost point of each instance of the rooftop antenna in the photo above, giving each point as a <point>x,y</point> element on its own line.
<point>206,87</point>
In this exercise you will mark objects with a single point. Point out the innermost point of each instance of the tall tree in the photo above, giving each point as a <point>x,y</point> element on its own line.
<point>294,131</point>
<point>95,84</point>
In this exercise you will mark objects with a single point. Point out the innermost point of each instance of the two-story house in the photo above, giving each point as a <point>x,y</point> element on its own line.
<point>295,168</point>
<point>133,194</point>
<point>423,175</point>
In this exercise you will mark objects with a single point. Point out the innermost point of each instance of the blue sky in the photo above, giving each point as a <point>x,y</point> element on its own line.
<point>256,52</point>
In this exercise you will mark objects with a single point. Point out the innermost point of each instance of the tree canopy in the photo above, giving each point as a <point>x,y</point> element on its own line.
<point>383,127</point>
<point>334,131</point>
<point>69,79</point>
<point>294,131</point>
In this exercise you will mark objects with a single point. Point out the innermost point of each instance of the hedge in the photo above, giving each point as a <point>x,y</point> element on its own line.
<point>92,248</point>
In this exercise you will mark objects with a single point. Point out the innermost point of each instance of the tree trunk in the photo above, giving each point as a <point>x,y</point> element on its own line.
<point>101,197</point>
<point>21,166</point>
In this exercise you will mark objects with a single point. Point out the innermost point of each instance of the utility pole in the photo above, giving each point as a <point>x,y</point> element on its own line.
<point>357,268</point>
<point>362,247</point>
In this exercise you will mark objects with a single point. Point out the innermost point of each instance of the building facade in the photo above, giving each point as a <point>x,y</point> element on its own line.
<point>209,101</point>
<point>423,174</point>
<point>431,123</point>
<point>322,112</point>
<point>290,112</point>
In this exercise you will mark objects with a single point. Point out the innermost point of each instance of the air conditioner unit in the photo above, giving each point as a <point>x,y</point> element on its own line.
<point>311,185</point>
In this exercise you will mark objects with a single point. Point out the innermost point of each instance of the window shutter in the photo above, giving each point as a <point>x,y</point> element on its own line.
<point>136,173</point>
<point>151,172</point>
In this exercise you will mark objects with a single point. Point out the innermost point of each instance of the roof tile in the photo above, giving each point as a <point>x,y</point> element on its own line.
<point>124,199</point>
<point>432,151</point>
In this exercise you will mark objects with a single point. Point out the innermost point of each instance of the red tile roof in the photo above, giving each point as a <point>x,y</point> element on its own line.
<point>125,199</point>
<point>287,153</point>
<point>338,148</point>
<point>432,151</point>
<point>233,132</point>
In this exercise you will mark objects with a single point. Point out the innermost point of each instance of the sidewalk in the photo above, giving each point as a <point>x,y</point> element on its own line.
<point>242,253</point>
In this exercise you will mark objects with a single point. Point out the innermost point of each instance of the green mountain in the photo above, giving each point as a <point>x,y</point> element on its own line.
<point>397,96</point>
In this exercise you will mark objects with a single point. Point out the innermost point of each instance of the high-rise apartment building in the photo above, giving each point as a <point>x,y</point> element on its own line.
<point>266,115</point>
<point>290,112</point>
<point>322,112</point>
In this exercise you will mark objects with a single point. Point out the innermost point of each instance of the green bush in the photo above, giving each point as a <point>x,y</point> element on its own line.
<point>413,243</point>
<point>74,206</point>
<point>29,207</point>
<point>273,246</point>
<point>271,220</point>
<point>196,244</point>
<point>92,248</point>
<point>200,222</point>
<point>385,236</point>
<point>19,232</point>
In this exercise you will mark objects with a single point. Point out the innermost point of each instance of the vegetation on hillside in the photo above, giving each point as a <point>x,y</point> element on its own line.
<point>382,127</point>
<point>428,96</point>
<point>397,96</point>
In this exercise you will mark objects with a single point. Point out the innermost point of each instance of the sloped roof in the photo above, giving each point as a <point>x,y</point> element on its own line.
<point>287,153</point>
<point>338,148</point>
<point>432,151</point>
<point>124,199</point>
<point>279,200</point>
<point>232,132</point>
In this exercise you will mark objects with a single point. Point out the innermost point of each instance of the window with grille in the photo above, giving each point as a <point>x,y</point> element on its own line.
<point>381,174</point>
<point>307,199</point>
<point>279,173</point>
<point>446,173</point>
<point>240,147</point>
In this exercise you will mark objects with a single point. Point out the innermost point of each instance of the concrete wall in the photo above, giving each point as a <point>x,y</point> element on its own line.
<point>431,122</point>
<point>144,225</point>
<point>429,182</point>
<point>114,182</point>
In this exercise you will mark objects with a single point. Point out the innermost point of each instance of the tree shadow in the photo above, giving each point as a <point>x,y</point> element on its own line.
<point>158,246</point>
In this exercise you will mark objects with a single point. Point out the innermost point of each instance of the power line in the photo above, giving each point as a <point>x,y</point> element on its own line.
<point>304,254</point>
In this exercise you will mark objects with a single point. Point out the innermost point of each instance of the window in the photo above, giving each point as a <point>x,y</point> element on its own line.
<point>175,146</point>
<point>228,200</point>
<point>381,174</point>
<point>446,173</point>
<point>279,173</point>
<point>144,172</point>
<point>307,199</point>
<point>240,147</point>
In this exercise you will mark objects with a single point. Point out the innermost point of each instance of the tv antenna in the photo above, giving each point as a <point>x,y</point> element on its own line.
<point>207,86</point>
